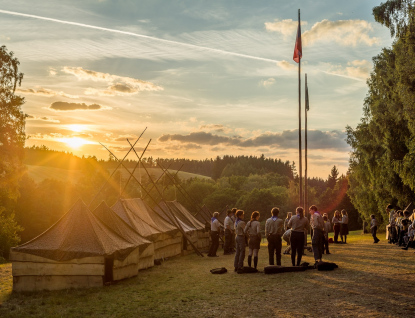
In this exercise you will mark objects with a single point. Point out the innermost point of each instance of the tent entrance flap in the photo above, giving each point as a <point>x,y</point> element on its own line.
<point>109,264</point>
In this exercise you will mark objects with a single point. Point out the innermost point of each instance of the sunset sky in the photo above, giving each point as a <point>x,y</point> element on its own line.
<point>207,78</point>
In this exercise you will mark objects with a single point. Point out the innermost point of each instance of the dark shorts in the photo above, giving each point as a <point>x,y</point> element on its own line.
<point>254,242</point>
<point>344,230</point>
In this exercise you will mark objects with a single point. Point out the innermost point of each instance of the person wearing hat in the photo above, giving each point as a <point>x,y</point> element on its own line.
<point>229,229</point>
<point>214,235</point>
<point>274,228</point>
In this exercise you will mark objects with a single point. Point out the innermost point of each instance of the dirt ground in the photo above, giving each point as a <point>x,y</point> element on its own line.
<point>373,280</point>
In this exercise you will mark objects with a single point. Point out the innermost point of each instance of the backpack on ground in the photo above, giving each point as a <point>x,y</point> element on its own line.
<point>221,270</point>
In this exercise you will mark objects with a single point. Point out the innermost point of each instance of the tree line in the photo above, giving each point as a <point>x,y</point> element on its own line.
<point>382,163</point>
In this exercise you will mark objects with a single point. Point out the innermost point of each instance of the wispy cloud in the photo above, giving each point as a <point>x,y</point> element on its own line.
<point>64,106</point>
<point>45,92</point>
<point>42,118</point>
<point>357,69</point>
<point>169,44</point>
<point>119,85</point>
<point>344,32</point>
<point>268,82</point>
<point>285,27</point>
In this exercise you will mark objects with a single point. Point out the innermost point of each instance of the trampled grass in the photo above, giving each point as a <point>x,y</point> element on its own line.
<point>373,280</point>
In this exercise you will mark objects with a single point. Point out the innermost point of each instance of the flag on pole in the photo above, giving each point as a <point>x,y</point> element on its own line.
<point>307,101</point>
<point>298,51</point>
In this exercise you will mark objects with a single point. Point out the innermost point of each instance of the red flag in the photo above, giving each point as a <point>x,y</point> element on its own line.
<point>298,51</point>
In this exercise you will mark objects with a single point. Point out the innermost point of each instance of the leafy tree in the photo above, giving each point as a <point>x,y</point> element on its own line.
<point>12,124</point>
<point>382,163</point>
<point>12,139</point>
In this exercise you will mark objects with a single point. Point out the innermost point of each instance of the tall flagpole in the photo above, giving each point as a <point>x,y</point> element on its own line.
<point>299,124</point>
<point>305,144</point>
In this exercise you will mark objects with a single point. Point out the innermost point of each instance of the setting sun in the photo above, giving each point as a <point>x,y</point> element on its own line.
<point>75,142</point>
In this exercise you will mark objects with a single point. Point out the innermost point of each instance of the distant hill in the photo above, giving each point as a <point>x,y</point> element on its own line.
<point>40,173</point>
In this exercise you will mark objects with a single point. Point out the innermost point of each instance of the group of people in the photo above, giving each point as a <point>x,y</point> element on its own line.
<point>294,229</point>
<point>401,229</point>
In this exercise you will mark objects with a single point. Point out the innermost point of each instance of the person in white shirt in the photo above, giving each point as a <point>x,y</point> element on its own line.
<point>344,230</point>
<point>229,230</point>
<point>214,235</point>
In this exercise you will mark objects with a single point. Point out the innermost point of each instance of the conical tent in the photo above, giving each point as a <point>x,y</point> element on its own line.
<point>111,219</point>
<point>145,255</point>
<point>78,251</point>
<point>165,236</point>
<point>76,235</point>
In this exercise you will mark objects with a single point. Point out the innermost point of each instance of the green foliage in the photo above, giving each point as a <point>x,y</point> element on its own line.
<point>12,124</point>
<point>382,164</point>
<point>395,15</point>
<point>9,230</point>
<point>12,139</point>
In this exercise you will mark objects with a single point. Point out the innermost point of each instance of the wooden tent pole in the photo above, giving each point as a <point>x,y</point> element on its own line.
<point>109,178</point>
<point>155,182</point>
<point>156,203</point>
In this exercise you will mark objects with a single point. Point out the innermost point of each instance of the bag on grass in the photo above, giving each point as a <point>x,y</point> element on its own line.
<point>326,266</point>
<point>247,270</point>
<point>275,269</point>
<point>221,270</point>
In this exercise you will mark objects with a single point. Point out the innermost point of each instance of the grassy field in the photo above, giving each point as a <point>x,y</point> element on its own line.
<point>373,280</point>
<point>39,173</point>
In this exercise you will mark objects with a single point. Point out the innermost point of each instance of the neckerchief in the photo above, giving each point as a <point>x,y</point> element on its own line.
<point>274,218</point>
<point>213,219</point>
<point>237,221</point>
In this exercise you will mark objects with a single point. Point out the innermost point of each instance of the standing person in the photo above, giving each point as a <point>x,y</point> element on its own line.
<point>233,244</point>
<point>273,232</point>
<point>214,235</point>
<point>298,224</point>
<point>374,228</point>
<point>287,219</point>
<point>336,225</point>
<point>317,225</point>
<point>229,229</point>
<point>344,230</point>
<point>240,240</point>
<point>327,227</point>
<point>253,229</point>
<point>390,212</point>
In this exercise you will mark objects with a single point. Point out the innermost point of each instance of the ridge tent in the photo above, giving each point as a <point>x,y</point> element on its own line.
<point>78,251</point>
<point>145,255</point>
<point>202,234</point>
<point>136,213</point>
<point>194,229</point>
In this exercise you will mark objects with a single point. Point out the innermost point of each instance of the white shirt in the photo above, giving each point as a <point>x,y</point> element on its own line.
<point>229,223</point>
<point>215,226</point>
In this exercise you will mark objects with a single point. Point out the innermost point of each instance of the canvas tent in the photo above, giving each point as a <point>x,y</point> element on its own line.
<point>146,250</point>
<point>195,230</point>
<point>166,237</point>
<point>77,251</point>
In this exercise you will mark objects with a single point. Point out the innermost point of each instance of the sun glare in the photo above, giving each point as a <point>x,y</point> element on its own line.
<point>75,142</point>
<point>77,127</point>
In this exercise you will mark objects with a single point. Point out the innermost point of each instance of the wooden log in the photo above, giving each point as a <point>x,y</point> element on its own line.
<point>25,257</point>
<point>48,269</point>
<point>37,283</point>
<point>130,270</point>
